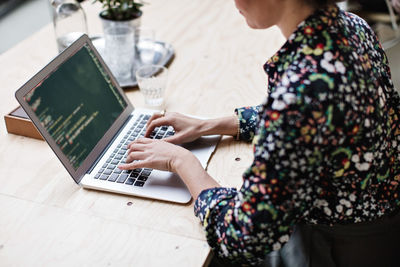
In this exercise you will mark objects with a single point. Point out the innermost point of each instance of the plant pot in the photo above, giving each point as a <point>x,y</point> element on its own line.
<point>134,22</point>
<point>119,52</point>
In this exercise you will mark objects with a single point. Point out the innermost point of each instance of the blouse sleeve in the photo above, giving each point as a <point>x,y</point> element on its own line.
<point>243,226</point>
<point>247,122</point>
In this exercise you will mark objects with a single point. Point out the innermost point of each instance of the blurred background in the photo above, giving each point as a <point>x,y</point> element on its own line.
<point>21,18</point>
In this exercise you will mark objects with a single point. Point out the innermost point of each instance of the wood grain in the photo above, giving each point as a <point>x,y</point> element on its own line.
<point>50,220</point>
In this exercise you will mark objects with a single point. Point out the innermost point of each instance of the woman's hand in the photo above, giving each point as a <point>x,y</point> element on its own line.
<point>158,154</point>
<point>155,154</point>
<point>186,128</point>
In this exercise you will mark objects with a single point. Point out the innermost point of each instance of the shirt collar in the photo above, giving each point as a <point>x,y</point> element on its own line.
<point>305,34</point>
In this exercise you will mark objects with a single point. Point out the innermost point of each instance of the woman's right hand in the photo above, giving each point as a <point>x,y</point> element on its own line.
<point>186,128</point>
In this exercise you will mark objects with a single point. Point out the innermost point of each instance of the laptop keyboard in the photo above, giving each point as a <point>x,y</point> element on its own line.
<point>137,177</point>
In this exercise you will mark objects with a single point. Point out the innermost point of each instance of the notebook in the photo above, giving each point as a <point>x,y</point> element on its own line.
<point>80,110</point>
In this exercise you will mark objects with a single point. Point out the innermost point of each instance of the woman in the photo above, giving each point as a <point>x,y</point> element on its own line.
<point>326,147</point>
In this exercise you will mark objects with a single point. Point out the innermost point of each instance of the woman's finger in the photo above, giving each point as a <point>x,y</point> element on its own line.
<point>134,165</point>
<point>156,123</point>
<point>142,140</point>
<point>136,146</point>
<point>174,139</point>
<point>154,117</point>
<point>135,156</point>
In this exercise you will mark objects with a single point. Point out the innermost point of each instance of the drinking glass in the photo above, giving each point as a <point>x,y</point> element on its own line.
<point>120,50</point>
<point>152,80</point>
<point>69,21</point>
<point>145,45</point>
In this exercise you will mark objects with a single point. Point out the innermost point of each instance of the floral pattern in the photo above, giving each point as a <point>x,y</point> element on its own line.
<point>326,142</point>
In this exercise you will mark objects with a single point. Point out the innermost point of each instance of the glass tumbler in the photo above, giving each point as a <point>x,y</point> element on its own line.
<point>145,46</point>
<point>152,80</point>
<point>120,50</point>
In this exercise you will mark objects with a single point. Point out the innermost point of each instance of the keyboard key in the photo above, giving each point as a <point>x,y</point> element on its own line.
<point>169,133</point>
<point>117,170</point>
<point>107,171</point>
<point>111,167</point>
<point>103,177</point>
<point>105,165</point>
<point>122,178</point>
<point>146,173</point>
<point>134,174</point>
<point>118,157</point>
<point>142,178</point>
<point>97,176</point>
<point>108,160</point>
<point>130,181</point>
<point>113,177</point>
<point>101,170</point>
<point>164,128</point>
<point>115,162</point>
<point>139,183</point>
<point>136,170</point>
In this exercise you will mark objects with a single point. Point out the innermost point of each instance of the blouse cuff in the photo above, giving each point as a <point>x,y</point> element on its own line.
<point>248,118</point>
<point>209,199</point>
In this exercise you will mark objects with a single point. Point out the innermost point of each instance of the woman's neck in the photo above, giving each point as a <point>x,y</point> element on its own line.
<point>294,13</point>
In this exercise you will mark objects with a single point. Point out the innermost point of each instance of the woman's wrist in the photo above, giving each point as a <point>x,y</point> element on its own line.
<point>188,167</point>
<point>224,126</point>
<point>180,159</point>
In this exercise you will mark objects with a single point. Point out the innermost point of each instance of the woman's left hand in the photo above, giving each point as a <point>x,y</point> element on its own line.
<point>155,154</point>
<point>161,155</point>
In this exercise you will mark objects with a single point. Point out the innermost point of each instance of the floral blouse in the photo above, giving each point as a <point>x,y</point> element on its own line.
<point>326,142</point>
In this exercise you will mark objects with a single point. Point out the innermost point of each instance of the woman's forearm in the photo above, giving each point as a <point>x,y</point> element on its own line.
<point>192,173</point>
<point>224,126</point>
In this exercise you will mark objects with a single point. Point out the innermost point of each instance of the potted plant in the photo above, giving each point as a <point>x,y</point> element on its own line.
<point>121,11</point>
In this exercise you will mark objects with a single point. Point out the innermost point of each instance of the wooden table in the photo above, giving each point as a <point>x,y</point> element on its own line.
<point>46,219</point>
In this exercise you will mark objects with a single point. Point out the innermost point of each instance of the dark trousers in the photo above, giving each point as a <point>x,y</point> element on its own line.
<point>366,244</point>
<point>374,244</point>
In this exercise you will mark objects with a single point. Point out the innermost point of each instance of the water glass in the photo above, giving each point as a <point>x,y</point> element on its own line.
<point>152,80</point>
<point>120,50</point>
<point>69,21</point>
<point>145,45</point>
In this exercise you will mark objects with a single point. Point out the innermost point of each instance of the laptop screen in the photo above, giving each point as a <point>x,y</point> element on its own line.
<point>76,104</point>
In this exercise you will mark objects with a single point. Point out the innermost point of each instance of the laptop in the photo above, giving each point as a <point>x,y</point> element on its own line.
<point>80,110</point>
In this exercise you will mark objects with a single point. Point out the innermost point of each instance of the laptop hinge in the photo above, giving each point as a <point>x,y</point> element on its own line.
<point>109,144</point>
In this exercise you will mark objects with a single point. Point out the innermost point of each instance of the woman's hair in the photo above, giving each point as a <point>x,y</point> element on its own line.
<point>321,3</point>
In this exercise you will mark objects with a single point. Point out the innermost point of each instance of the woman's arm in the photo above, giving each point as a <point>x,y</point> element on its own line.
<point>188,129</point>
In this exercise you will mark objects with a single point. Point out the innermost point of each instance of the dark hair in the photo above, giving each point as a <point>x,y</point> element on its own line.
<point>321,3</point>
